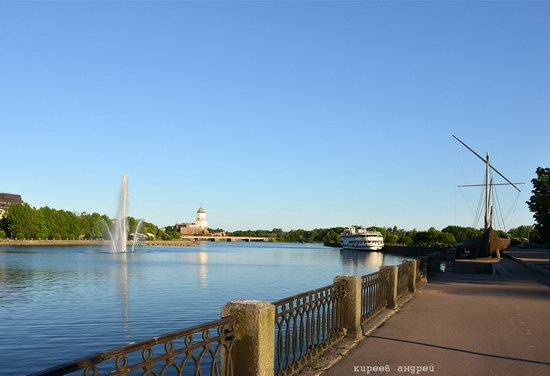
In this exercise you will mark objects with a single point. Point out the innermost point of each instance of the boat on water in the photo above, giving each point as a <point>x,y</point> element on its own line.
<point>358,238</point>
<point>489,244</point>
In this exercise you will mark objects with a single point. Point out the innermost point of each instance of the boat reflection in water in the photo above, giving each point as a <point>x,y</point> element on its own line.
<point>358,261</point>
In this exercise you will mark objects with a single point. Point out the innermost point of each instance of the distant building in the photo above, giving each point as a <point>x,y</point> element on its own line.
<point>201,219</point>
<point>7,200</point>
<point>199,227</point>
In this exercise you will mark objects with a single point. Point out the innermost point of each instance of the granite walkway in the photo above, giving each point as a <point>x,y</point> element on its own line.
<point>463,324</point>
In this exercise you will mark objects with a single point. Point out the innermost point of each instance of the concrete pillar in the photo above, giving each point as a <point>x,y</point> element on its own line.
<point>391,289</point>
<point>412,275</point>
<point>253,352</point>
<point>351,304</point>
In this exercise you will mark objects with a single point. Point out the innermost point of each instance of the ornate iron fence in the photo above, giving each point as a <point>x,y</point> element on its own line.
<point>373,294</point>
<point>305,325</point>
<point>202,349</point>
<point>402,278</point>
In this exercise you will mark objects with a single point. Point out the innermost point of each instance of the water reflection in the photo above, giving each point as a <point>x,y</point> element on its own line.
<point>121,271</point>
<point>68,302</point>
<point>202,261</point>
<point>358,261</point>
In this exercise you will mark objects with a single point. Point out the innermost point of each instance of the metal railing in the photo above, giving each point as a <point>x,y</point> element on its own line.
<point>193,351</point>
<point>305,325</point>
<point>373,294</point>
<point>402,279</point>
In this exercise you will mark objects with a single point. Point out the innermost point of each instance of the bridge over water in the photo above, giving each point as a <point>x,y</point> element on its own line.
<point>211,238</point>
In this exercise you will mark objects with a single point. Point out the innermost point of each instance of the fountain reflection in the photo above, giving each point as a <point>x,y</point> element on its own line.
<point>122,274</point>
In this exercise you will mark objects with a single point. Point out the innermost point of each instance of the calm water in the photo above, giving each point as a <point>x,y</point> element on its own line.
<point>60,303</point>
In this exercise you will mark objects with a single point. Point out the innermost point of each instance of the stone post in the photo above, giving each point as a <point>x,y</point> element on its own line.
<point>412,275</point>
<point>253,352</point>
<point>391,288</point>
<point>351,305</point>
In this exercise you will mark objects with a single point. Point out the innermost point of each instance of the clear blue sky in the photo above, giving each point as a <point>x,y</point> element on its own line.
<point>273,114</point>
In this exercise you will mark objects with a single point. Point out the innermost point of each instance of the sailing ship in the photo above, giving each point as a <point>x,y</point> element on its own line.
<point>489,243</point>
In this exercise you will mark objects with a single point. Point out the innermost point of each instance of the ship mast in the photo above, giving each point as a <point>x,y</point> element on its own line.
<point>487,192</point>
<point>488,184</point>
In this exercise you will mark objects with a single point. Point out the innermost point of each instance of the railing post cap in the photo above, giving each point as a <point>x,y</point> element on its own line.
<point>339,278</point>
<point>245,305</point>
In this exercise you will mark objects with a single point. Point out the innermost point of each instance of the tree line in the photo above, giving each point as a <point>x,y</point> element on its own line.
<point>22,221</point>
<point>450,235</point>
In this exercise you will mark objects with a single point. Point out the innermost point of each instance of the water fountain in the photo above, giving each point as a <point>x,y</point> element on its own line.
<point>119,235</point>
<point>136,233</point>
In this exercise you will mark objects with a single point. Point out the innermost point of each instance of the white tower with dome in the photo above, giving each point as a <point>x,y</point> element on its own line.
<point>201,219</point>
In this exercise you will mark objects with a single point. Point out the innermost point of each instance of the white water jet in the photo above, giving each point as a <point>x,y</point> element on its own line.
<point>138,226</point>
<point>113,245</point>
<point>119,235</point>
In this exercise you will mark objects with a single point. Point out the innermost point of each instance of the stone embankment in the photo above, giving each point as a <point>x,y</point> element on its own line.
<point>27,242</point>
<point>170,243</point>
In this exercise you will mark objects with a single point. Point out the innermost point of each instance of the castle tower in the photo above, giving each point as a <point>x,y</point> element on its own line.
<point>201,219</point>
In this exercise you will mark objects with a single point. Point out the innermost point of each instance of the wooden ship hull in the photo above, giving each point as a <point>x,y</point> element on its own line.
<point>487,244</point>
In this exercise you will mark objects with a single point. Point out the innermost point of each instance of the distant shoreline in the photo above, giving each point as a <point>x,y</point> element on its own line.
<point>30,243</point>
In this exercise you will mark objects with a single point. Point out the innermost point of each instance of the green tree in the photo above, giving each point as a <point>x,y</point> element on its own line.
<point>379,229</point>
<point>170,233</point>
<point>446,238</point>
<point>20,221</point>
<point>391,239</point>
<point>521,232</point>
<point>407,240</point>
<point>539,203</point>
<point>462,233</point>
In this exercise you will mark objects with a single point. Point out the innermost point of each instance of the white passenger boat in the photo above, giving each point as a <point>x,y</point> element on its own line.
<point>361,239</point>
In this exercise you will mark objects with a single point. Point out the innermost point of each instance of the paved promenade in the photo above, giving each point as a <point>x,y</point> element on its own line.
<point>464,324</point>
<point>537,256</point>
